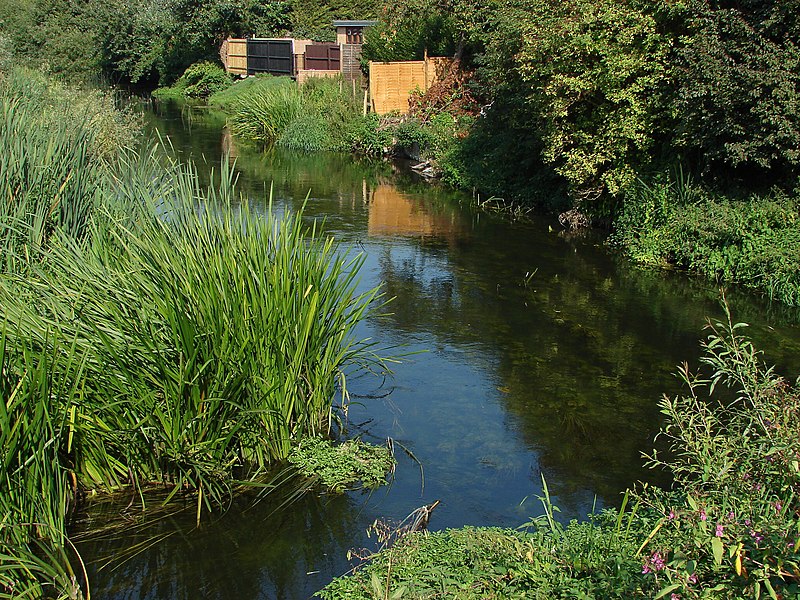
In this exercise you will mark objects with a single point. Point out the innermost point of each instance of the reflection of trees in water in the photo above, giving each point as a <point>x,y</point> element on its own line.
<point>584,349</point>
<point>249,554</point>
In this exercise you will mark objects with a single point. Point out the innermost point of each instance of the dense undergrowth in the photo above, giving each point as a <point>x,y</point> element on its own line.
<point>754,241</point>
<point>153,330</point>
<point>728,528</point>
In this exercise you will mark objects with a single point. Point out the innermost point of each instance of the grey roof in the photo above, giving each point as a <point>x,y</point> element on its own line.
<point>354,23</point>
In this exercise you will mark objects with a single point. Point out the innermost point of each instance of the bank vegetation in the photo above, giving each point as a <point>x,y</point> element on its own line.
<point>153,331</point>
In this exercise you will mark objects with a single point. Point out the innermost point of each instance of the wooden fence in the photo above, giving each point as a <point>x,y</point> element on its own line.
<point>322,57</point>
<point>234,56</point>
<point>391,83</point>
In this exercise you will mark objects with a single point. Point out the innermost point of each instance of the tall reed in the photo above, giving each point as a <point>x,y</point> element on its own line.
<point>155,331</point>
<point>36,490</point>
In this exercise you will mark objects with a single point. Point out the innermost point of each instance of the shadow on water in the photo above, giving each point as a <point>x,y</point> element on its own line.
<point>540,353</point>
<point>248,552</point>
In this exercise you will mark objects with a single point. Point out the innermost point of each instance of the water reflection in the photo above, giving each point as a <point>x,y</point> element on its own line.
<point>540,354</point>
<point>252,553</point>
<point>393,213</point>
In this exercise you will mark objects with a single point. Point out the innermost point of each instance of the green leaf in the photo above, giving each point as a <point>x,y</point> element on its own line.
<point>717,548</point>
<point>667,590</point>
<point>770,589</point>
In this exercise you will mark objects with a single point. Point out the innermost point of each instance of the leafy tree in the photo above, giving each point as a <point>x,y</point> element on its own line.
<point>593,75</point>
<point>738,75</point>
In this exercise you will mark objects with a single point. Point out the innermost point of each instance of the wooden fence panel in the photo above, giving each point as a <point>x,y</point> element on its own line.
<point>322,57</point>
<point>270,56</point>
<point>234,56</point>
<point>391,84</point>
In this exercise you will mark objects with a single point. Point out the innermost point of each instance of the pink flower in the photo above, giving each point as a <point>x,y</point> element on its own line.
<point>671,515</point>
<point>674,596</point>
<point>657,561</point>
<point>703,515</point>
<point>693,578</point>
<point>719,530</point>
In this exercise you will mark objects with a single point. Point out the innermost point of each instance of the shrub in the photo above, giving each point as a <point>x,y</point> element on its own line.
<point>753,241</point>
<point>200,80</point>
<point>365,135</point>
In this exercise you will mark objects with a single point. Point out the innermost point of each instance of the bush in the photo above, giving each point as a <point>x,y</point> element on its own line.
<point>753,242</point>
<point>365,135</point>
<point>200,80</point>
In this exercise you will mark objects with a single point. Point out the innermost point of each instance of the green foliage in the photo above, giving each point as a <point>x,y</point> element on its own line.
<point>407,30</point>
<point>154,331</point>
<point>753,241</point>
<point>341,466</point>
<point>731,525</point>
<point>307,133</point>
<point>593,75</point>
<point>367,136</point>
<point>35,490</point>
<point>322,114</point>
<point>313,19</point>
<point>265,114</point>
<point>737,71</point>
<point>200,80</point>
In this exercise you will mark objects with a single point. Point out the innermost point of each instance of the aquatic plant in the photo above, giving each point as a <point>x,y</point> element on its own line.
<point>342,466</point>
<point>156,331</point>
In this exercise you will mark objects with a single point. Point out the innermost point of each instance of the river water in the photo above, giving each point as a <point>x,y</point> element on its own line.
<point>531,353</point>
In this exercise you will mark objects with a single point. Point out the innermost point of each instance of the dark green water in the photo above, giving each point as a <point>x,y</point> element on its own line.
<point>555,373</point>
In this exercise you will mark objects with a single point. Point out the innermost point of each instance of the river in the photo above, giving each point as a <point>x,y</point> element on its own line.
<point>530,352</point>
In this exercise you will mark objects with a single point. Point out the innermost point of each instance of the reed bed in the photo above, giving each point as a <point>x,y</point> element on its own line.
<point>156,331</point>
<point>321,114</point>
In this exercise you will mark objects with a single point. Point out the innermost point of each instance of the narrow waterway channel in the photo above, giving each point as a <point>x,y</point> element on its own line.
<point>533,352</point>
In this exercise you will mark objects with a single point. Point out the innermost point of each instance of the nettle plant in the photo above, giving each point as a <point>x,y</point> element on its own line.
<point>730,528</point>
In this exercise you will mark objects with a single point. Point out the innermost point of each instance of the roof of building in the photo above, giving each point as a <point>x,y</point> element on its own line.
<point>354,23</point>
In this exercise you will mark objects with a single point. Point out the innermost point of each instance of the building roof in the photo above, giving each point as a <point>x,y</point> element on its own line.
<point>354,23</point>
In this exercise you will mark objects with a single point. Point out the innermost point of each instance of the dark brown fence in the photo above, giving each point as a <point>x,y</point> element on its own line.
<point>322,57</point>
<point>270,56</point>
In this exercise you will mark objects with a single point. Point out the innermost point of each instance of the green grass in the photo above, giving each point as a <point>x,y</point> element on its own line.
<point>226,99</point>
<point>155,331</point>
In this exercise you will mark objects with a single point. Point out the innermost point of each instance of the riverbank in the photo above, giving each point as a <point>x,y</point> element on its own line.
<point>155,330</point>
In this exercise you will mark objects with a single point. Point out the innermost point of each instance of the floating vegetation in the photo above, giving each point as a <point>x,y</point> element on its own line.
<point>341,466</point>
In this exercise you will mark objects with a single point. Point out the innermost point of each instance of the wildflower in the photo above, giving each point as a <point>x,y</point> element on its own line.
<point>703,515</point>
<point>778,506</point>
<point>671,515</point>
<point>693,578</point>
<point>719,530</point>
<point>674,596</point>
<point>747,522</point>
<point>731,516</point>
<point>757,537</point>
<point>657,561</point>
<point>646,569</point>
